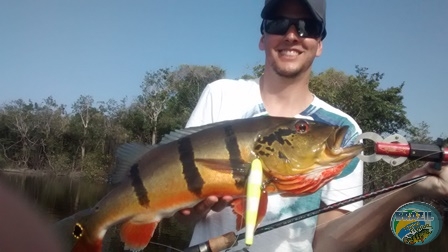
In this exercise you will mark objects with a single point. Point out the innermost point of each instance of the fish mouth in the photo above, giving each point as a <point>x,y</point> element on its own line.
<point>334,149</point>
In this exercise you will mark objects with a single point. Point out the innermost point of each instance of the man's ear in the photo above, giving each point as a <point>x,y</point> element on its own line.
<point>261,43</point>
<point>320,48</point>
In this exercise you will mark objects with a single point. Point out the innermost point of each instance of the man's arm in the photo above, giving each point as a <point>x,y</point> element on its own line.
<point>350,232</point>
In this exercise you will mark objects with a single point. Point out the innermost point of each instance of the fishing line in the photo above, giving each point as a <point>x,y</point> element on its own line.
<point>166,246</point>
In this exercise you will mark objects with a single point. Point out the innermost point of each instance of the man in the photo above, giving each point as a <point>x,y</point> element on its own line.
<point>292,34</point>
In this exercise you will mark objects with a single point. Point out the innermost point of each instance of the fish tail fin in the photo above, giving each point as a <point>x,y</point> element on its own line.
<point>136,236</point>
<point>84,245</point>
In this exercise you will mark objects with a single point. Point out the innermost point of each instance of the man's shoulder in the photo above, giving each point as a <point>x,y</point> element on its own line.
<point>232,85</point>
<point>335,115</point>
<point>330,108</point>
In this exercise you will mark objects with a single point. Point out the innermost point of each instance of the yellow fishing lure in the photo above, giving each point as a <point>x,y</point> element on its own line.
<point>253,194</point>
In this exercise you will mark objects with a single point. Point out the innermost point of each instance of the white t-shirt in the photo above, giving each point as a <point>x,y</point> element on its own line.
<point>234,99</point>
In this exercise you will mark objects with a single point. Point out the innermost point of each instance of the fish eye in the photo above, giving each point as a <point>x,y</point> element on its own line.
<point>77,232</point>
<point>302,126</point>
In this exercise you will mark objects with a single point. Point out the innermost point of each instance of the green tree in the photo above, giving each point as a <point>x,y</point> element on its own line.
<point>83,110</point>
<point>373,108</point>
<point>327,85</point>
<point>51,123</point>
<point>134,122</point>
<point>188,82</point>
<point>18,119</point>
<point>420,133</point>
<point>257,72</point>
<point>156,91</point>
<point>113,133</point>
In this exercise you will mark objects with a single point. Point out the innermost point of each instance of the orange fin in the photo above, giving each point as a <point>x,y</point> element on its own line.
<point>262,207</point>
<point>239,206</point>
<point>225,165</point>
<point>83,245</point>
<point>136,236</point>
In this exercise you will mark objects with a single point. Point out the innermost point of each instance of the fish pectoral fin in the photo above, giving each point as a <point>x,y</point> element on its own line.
<point>225,165</point>
<point>239,207</point>
<point>136,236</point>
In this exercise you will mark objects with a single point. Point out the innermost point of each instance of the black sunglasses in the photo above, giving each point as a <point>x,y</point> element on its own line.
<point>306,27</point>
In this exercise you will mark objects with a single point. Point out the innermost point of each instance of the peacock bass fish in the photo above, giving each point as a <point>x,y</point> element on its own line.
<point>298,157</point>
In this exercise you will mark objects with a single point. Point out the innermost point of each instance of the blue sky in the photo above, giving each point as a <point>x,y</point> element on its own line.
<point>103,48</point>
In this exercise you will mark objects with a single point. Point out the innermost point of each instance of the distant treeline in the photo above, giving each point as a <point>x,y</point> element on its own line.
<point>44,136</point>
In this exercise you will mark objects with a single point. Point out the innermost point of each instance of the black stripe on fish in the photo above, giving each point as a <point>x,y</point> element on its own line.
<point>235,159</point>
<point>270,148</point>
<point>262,153</point>
<point>189,168</point>
<point>276,136</point>
<point>139,188</point>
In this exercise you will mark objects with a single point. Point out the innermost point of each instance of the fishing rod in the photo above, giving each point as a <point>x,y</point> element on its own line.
<point>222,242</point>
<point>394,150</point>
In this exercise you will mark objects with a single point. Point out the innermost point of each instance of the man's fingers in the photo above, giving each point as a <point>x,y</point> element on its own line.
<point>222,203</point>
<point>186,211</point>
<point>203,207</point>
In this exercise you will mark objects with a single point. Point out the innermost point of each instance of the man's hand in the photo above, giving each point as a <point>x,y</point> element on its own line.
<point>194,214</point>
<point>435,185</point>
<point>343,233</point>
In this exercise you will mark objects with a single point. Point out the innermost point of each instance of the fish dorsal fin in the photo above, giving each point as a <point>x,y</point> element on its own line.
<point>177,134</point>
<point>126,156</point>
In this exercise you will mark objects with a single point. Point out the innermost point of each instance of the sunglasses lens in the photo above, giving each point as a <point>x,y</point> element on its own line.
<point>305,27</point>
<point>277,26</point>
<point>312,28</point>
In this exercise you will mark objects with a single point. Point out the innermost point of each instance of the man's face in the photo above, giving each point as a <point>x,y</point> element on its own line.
<point>289,55</point>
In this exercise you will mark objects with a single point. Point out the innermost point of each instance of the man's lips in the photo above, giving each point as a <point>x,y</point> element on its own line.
<point>289,52</point>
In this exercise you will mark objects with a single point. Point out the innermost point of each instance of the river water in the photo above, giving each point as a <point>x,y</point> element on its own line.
<point>60,197</point>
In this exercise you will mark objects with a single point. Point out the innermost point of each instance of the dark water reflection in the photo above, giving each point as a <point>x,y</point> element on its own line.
<point>57,196</point>
<point>60,197</point>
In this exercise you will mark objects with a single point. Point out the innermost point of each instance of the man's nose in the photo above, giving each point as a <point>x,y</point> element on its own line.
<point>292,33</point>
